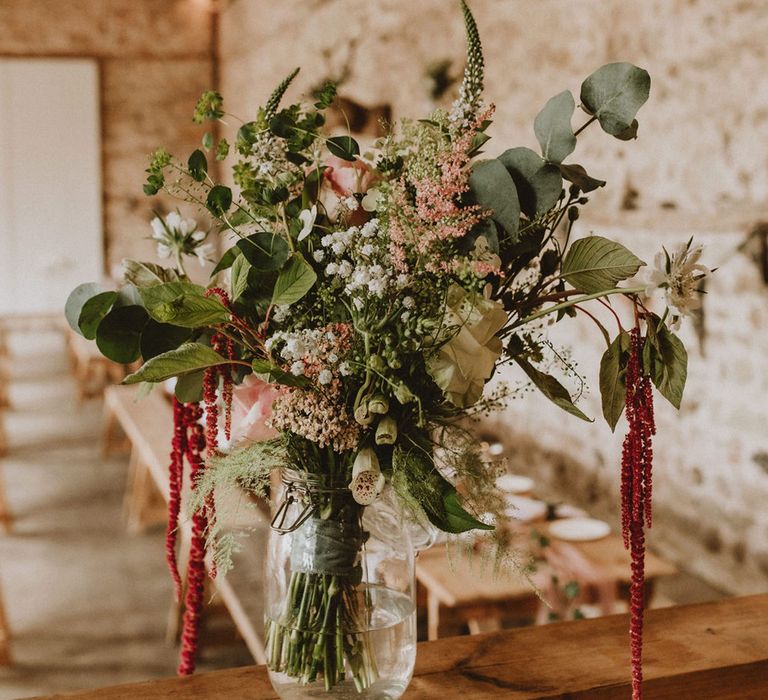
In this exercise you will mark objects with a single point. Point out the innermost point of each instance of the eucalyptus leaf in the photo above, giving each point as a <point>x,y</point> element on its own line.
<point>614,94</point>
<point>494,189</point>
<point>219,200</point>
<point>265,251</point>
<point>198,165</point>
<point>240,269</point>
<point>118,336</point>
<point>294,281</point>
<point>190,357</point>
<point>93,311</point>
<point>144,274</point>
<point>553,129</point>
<point>551,388</point>
<point>613,390</point>
<point>344,147</point>
<point>577,175</point>
<point>596,264</point>
<point>629,133</point>
<point>75,302</point>
<point>538,183</point>
<point>157,338</point>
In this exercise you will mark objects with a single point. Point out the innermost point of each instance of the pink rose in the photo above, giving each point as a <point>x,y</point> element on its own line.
<point>251,407</point>
<point>348,177</point>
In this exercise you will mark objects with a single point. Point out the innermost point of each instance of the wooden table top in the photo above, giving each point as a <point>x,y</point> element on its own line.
<point>711,651</point>
<point>457,579</point>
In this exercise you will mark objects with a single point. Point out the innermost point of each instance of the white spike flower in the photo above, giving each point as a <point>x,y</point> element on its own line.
<point>367,479</point>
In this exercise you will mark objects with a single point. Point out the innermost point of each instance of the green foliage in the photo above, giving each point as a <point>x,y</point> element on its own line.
<point>614,94</point>
<point>294,281</point>
<point>183,304</point>
<point>219,200</point>
<point>551,388</point>
<point>198,165</point>
<point>344,147</point>
<point>209,107</point>
<point>472,84</point>
<point>189,357</point>
<point>538,183</point>
<point>159,160</point>
<point>613,369</point>
<point>265,251</point>
<point>494,190</point>
<point>93,311</point>
<point>75,302</point>
<point>207,141</point>
<point>189,387</point>
<point>143,274</point>
<point>553,128</point>
<point>596,264</point>
<point>239,276</point>
<point>227,260</point>
<point>118,336</point>
<point>222,149</point>
<point>325,95</point>
<point>270,109</point>
<point>157,338</point>
<point>666,360</point>
<point>577,175</point>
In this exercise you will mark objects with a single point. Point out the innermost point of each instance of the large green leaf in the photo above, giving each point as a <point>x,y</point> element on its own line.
<point>668,364</point>
<point>613,388</point>
<point>189,387</point>
<point>198,165</point>
<point>495,189</point>
<point>190,357</point>
<point>144,274</point>
<point>552,127</point>
<point>265,251</point>
<point>157,338</point>
<point>240,269</point>
<point>457,519</point>
<point>183,304</point>
<point>538,183</point>
<point>227,260</point>
<point>294,281</point>
<point>614,94</point>
<point>219,200</point>
<point>118,336</point>
<point>95,309</point>
<point>344,147</point>
<point>75,302</point>
<point>551,388</point>
<point>596,264</point>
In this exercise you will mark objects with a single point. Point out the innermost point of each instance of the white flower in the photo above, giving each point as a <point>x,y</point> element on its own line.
<point>325,376</point>
<point>307,218</point>
<point>338,247</point>
<point>333,358</point>
<point>319,255</point>
<point>163,251</point>
<point>173,220</point>
<point>371,200</point>
<point>345,369</point>
<point>345,268</point>
<point>203,252</point>
<point>367,250</point>
<point>367,479</point>
<point>679,275</point>
<point>331,269</point>
<point>405,316</point>
<point>326,240</point>
<point>158,230</point>
<point>351,203</point>
<point>409,302</point>
<point>297,368</point>
<point>280,313</point>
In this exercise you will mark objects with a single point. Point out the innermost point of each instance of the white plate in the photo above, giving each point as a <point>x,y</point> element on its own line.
<point>514,483</point>
<point>566,510</point>
<point>579,529</point>
<point>525,509</point>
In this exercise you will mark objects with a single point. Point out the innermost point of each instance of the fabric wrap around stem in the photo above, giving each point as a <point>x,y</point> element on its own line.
<point>327,547</point>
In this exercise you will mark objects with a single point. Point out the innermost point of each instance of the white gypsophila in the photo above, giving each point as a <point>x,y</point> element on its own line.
<point>405,316</point>
<point>679,275</point>
<point>345,369</point>
<point>351,203</point>
<point>319,255</point>
<point>409,302</point>
<point>297,368</point>
<point>345,269</point>
<point>333,358</point>
<point>280,313</point>
<point>325,377</point>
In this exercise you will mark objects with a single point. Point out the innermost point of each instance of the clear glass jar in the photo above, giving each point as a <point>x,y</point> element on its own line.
<point>340,603</point>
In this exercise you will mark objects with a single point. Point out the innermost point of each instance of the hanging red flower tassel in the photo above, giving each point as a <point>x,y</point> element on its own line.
<point>636,464</point>
<point>193,602</point>
<point>175,480</point>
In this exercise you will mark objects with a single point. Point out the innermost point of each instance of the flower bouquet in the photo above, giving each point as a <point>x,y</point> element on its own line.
<point>361,305</point>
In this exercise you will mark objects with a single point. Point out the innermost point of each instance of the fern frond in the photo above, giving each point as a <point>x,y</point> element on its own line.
<point>270,109</point>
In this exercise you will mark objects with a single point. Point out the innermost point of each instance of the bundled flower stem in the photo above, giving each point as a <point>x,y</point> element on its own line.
<point>636,464</point>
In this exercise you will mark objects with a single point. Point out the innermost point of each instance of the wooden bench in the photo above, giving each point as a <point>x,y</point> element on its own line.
<point>148,426</point>
<point>711,651</point>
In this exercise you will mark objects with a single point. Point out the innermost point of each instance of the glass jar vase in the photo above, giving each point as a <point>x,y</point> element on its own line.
<point>340,606</point>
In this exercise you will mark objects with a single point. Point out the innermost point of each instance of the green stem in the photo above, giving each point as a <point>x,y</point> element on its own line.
<point>628,291</point>
<point>585,125</point>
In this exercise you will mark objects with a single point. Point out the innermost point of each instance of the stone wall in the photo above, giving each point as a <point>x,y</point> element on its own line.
<point>155,58</point>
<point>698,167</point>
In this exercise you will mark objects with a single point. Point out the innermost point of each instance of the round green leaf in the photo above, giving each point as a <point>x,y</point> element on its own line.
<point>157,338</point>
<point>95,309</point>
<point>219,200</point>
<point>538,183</point>
<point>596,264</point>
<point>494,189</point>
<point>344,147</point>
<point>553,127</point>
<point>118,336</point>
<point>75,302</point>
<point>189,387</point>
<point>614,94</point>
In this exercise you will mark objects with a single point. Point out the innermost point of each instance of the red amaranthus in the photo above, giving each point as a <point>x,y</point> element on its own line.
<point>636,483</point>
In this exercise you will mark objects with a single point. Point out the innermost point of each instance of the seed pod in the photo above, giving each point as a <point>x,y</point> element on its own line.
<point>386,431</point>
<point>378,404</point>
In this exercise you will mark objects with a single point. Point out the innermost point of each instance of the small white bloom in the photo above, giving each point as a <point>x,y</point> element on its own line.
<point>345,369</point>
<point>280,313</point>
<point>331,269</point>
<point>370,228</point>
<point>325,376</point>
<point>405,316</point>
<point>326,240</point>
<point>333,358</point>
<point>158,230</point>
<point>345,269</point>
<point>307,218</point>
<point>371,200</point>
<point>319,255</point>
<point>297,368</point>
<point>402,280</point>
<point>173,220</point>
<point>163,251</point>
<point>351,203</point>
<point>367,250</point>
<point>338,247</point>
<point>409,302</point>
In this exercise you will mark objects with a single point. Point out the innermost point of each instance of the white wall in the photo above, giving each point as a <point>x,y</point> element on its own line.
<point>50,182</point>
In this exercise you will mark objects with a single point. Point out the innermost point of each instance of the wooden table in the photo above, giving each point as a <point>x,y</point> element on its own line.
<point>452,580</point>
<point>712,651</point>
